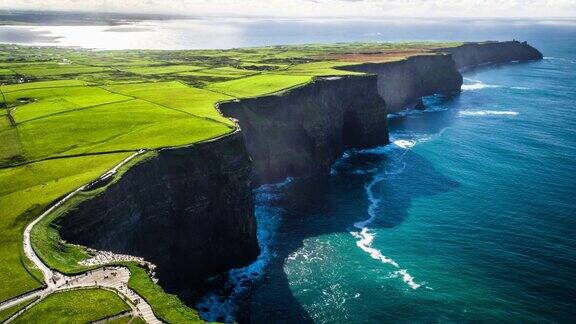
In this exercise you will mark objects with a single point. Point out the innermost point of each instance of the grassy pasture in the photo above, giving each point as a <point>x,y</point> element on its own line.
<point>75,306</point>
<point>148,70</point>
<point>177,96</point>
<point>25,192</point>
<point>57,70</point>
<point>11,148</point>
<point>325,68</point>
<point>258,85</point>
<point>227,72</point>
<point>124,126</point>
<point>6,72</point>
<point>168,307</point>
<point>8,312</point>
<point>80,112</point>
<point>50,101</point>
<point>71,120</point>
<point>42,84</point>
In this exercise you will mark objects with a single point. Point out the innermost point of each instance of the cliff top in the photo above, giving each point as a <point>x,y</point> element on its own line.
<point>71,114</point>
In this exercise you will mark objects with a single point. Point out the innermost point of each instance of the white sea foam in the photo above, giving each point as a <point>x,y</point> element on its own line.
<point>487,113</point>
<point>559,59</point>
<point>223,306</point>
<point>404,143</point>
<point>473,84</point>
<point>478,86</point>
<point>407,278</point>
<point>410,112</point>
<point>365,237</point>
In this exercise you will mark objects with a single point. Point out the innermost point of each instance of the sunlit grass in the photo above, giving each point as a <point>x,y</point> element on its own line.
<point>75,306</point>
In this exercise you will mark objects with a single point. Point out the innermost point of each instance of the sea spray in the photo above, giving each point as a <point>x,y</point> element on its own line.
<point>469,112</point>
<point>364,236</point>
<point>471,85</point>
<point>222,305</point>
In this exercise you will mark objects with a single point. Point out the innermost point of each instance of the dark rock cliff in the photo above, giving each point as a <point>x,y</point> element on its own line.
<point>303,131</point>
<point>189,210</point>
<point>402,84</point>
<point>474,54</point>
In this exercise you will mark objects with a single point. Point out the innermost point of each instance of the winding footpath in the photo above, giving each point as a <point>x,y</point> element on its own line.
<point>112,278</point>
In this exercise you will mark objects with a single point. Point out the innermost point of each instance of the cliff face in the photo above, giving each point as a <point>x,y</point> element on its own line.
<point>189,210</point>
<point>403,83</point>
<point>303,131</point>
<point>474,54</point>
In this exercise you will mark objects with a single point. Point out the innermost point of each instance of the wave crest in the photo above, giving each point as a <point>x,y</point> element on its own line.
<point>222,305</point>
<point>487,113</point>
<point>364,236</point>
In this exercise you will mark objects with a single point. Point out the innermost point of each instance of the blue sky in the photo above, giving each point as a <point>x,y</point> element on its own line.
<point>317,8</point>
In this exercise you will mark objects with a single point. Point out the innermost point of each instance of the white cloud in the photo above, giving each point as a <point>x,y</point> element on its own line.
<point>316,8</point>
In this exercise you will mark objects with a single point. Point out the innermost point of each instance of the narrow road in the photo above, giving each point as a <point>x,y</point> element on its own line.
<point>115,278</point>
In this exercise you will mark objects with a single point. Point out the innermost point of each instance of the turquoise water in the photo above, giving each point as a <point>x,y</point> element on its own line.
<point>470,215</point>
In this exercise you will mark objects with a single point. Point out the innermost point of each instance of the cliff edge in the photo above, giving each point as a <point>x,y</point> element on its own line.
<point>474,54</point>
<point>302,132</point>
<point>403,83</point>
<point>188,210</point>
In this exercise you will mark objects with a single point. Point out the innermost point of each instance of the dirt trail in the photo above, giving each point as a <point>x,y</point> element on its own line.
<point>113,278</point>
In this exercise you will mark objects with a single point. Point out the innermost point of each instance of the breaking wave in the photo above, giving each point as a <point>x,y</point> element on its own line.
<point>487,113</point>
<point>365,237</point>
<point>222,305</point>
<point>472,84</point>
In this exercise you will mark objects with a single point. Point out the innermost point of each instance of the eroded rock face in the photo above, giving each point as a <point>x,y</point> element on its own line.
<point>474,54</point>
<point>189,210</point>
<point>303,131</point>
<point>403,83</point>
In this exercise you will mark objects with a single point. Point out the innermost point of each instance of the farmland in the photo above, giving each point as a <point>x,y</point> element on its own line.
<point>75,306</point>
<point>70,115</point>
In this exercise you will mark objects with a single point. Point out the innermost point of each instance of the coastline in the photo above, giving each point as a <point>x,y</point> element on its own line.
<point>290,170</point>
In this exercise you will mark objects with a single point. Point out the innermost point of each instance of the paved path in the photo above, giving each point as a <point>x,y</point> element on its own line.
<point>114,278</point>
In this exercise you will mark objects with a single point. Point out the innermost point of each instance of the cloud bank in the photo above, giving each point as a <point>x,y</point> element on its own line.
<point>315,8</point>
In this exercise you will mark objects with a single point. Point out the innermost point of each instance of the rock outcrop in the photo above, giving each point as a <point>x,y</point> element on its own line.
<point>473,54</point>
<point>188,210</point>
<point>301,132</point>
<point>402,84</point>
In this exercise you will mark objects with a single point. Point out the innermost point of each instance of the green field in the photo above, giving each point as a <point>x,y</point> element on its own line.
<point>163,69</point>
<point>9,312</point>
<point>69,115</point>
<point>75,306</point>
<point>259,85</point>
<point>25,192</point>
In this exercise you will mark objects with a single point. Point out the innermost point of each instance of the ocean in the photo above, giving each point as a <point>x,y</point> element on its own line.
<point>468,216</point>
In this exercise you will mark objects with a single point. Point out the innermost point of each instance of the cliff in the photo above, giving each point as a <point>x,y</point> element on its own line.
<point>189,210</point>
<point>402,84</point>
<point>474,54</point>
<point>303,131</point>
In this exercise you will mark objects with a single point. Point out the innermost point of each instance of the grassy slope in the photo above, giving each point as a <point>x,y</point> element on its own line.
<point>167,307</point>
<point>8,312</point>
<point>25,192</point>
<point>258,85</point>
<point>76,102</point>
<point>75,306</point>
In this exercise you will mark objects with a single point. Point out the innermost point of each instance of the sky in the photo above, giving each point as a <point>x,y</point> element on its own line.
<point>314,8</point>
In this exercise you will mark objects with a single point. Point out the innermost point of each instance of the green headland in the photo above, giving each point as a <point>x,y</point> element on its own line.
<point>69,115</point>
